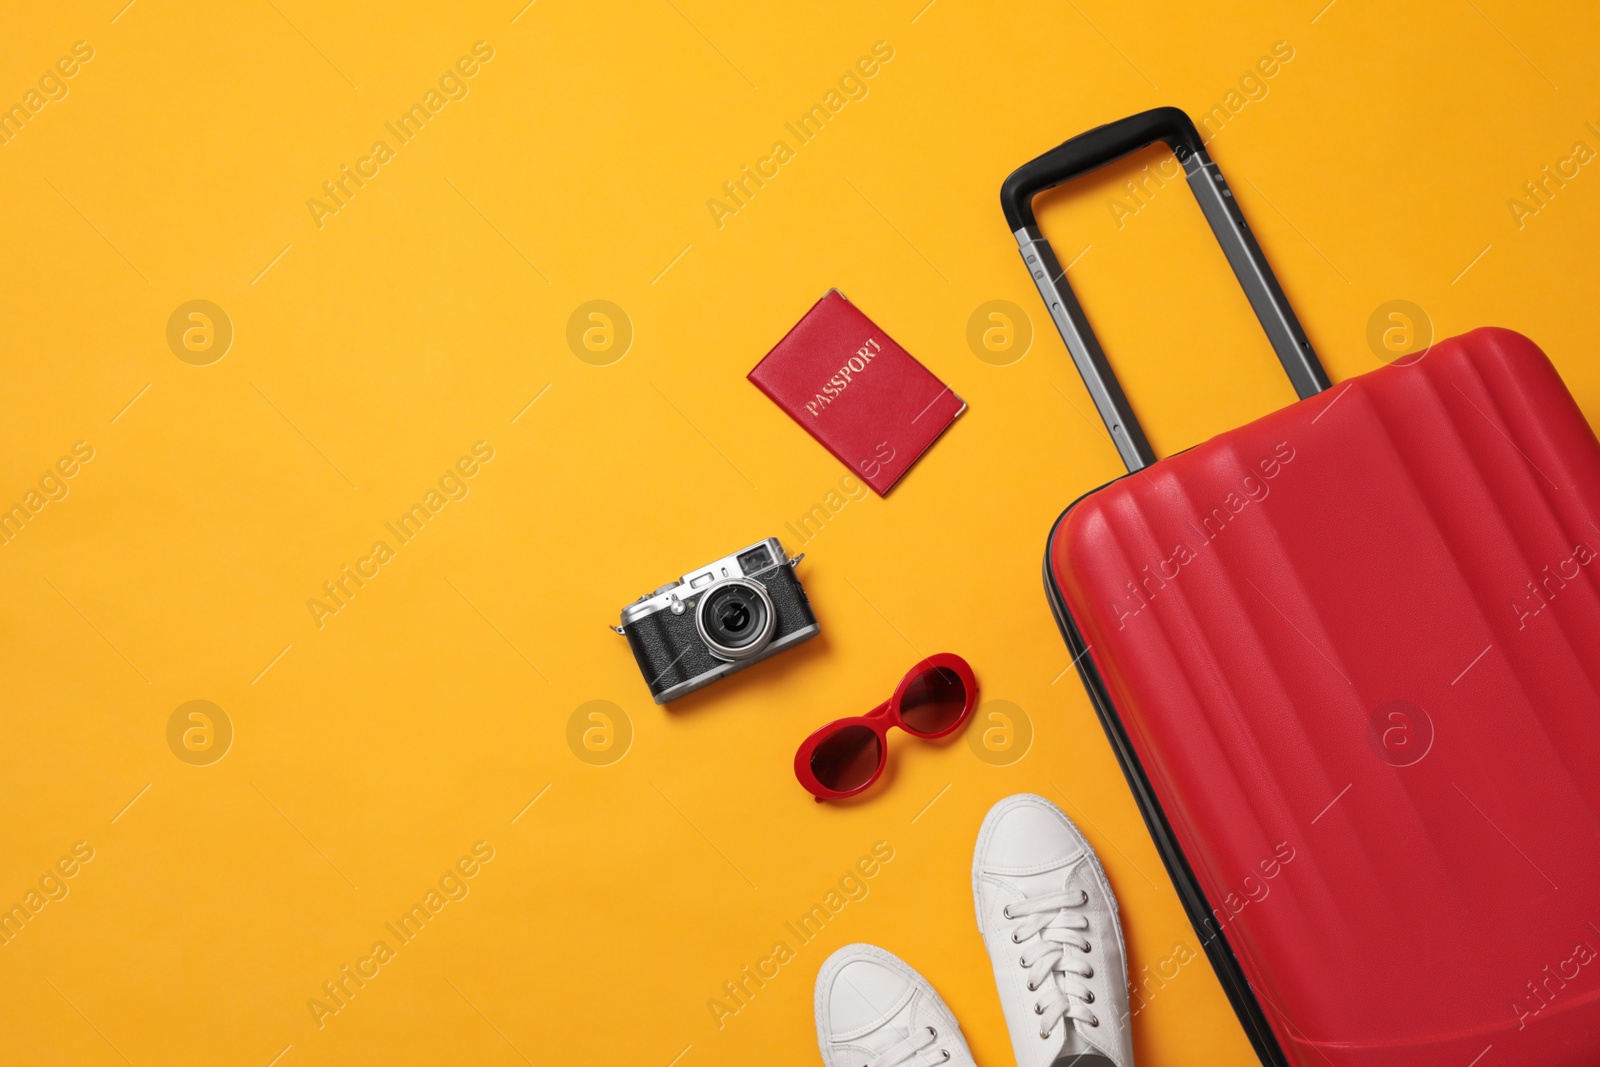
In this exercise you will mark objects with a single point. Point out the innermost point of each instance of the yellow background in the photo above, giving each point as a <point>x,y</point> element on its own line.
<point>430,311</point>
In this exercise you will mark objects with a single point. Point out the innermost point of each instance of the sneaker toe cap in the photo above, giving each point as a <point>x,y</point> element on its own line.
<point>1027,833</point>
<point>864,993</point>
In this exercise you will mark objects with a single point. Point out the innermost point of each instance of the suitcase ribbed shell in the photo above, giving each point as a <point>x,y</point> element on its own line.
<point>1363,633</point>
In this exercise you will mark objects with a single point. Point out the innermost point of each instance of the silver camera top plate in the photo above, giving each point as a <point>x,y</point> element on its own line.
<point>672,596</point>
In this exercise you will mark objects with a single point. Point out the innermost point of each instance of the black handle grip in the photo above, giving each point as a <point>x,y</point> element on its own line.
<point>1093,150</point>
<point>1107,144</point>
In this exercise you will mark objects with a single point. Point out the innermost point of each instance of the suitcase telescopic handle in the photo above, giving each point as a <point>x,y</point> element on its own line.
<point>1107,144</point>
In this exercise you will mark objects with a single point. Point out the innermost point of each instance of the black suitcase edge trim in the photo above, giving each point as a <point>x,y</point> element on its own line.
<point>1226,965</point>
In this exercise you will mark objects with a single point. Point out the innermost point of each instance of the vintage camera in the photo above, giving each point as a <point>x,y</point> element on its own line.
<point>718,619</point>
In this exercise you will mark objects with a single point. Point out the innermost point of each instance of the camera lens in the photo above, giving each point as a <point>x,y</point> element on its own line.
<point>735,618</point>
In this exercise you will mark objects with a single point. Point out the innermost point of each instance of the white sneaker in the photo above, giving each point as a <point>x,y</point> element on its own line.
<point>875,1011</point>
<point>1050,922</point>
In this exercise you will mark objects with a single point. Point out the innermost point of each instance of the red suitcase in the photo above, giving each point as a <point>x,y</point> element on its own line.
<point>1349,659</point>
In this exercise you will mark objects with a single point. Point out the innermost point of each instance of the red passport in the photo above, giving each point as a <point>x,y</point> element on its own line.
<point>864,397</point>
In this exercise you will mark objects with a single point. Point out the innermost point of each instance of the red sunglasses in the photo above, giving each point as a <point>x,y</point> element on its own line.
<point>847,755</point>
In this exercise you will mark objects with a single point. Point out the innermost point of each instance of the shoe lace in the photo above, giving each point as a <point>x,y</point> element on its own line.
<point>1048,922</point>
<point>916,1049</point>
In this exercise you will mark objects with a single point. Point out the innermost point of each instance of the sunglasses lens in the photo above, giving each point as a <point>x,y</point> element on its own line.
<point>847,759</point>
<point>934,701</point>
